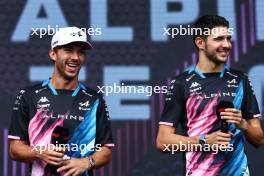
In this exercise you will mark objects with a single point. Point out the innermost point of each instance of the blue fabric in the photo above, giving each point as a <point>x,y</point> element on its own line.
<point>84,134</point>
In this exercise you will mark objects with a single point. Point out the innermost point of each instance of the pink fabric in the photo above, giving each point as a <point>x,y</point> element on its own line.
<point>197,125</point>
<point>203,168</point>
<point>203,123</point>
<point>38,138</point>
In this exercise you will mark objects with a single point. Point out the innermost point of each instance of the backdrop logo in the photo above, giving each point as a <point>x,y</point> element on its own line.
<point>160,18</point>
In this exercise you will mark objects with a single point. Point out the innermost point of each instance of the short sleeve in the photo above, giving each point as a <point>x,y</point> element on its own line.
<point>19,120</point>
<point>104,135</point>
<point>249,107</point>
<point>174,107</point>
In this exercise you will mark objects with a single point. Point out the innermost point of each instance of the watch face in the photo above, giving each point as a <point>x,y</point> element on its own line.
<point>202,140</point>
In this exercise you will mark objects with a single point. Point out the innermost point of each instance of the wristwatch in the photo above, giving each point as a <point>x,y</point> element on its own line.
<point>202,140</point>
<point>91,163</point>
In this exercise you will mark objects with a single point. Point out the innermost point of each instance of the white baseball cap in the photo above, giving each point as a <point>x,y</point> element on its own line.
<point>68,35</point>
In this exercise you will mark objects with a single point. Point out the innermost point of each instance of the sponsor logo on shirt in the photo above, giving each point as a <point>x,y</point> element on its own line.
<point>231,74</point>
<point>17,102</point>
<point>172,84</point>
<point>195,86</point>
<point>212,95</point>
<point>39,90</point>
<point>188,79</point>
<point>43,103</point>
<point>43,100</point>
<point>65,116</point>
<point>251,87</point>
<point>107,112</point>
<point>84,106</point>
<point>232,83</point>
<point>18,98</point>
<point>86,93</point>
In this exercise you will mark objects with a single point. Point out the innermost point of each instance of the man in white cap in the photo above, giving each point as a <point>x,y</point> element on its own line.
<point>60,126</point>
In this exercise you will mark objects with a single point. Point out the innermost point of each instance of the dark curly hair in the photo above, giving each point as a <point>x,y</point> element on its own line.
<point>208,22</point>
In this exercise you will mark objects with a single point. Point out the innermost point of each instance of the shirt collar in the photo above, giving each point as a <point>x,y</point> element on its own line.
<point>51,87</point>
<point>193,69</point>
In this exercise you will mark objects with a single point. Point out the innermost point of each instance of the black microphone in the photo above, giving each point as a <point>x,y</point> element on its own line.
<point>60,135</point>
<point>222,105</point>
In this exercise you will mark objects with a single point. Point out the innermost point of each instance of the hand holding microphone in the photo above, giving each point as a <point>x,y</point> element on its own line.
<point>228,114</point>
<point>218,139</point>
<point>59,136</point>
<point>221,108</point>
<point>53,155</point>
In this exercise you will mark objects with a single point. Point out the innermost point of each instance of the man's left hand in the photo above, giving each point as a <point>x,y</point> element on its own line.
<point>233,115</point>
<point>74,166</point>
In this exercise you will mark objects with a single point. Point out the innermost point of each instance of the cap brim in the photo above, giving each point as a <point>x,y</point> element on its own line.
<point>87,45</point>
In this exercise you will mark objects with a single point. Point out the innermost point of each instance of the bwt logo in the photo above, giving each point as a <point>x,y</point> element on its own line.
<point>160,18</point>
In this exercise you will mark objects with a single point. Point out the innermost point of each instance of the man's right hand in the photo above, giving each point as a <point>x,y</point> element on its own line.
<point>218,138</point>
<point>53,157</point>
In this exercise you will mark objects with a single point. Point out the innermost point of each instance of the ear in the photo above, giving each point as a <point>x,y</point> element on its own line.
<point>52,55</point>
<point>200,43</point>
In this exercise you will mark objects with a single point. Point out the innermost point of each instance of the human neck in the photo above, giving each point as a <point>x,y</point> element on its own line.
<point>61,83</point>
<point>207,66</point>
